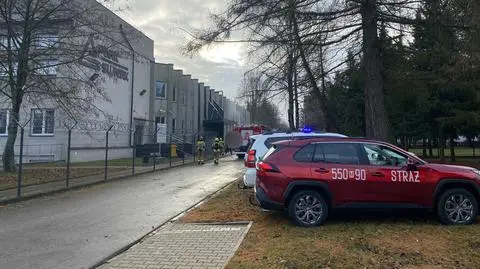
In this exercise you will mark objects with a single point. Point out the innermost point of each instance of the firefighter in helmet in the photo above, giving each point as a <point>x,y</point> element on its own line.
<point>222,146</point>
<point>216,150</point>
<point>201,150</point>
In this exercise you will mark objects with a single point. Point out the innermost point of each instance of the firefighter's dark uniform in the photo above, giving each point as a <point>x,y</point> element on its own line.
<point>222,146</point>
<point>216,150</point>
<point>201,150</point>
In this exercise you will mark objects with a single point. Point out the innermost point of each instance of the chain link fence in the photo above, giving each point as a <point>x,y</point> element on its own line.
<point>80,153</point>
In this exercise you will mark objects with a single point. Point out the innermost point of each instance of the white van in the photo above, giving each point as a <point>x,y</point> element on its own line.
<point>259,145</point>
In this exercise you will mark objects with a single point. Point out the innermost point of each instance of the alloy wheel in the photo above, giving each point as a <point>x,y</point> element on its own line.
<point>459,208</point>
<point>308,209</point>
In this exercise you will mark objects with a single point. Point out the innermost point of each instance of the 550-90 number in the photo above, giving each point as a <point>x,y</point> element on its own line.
<point>346,174</point>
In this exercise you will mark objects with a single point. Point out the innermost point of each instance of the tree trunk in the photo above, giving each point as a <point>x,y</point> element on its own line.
<point>376,120</point>
<point>291,119</point>
<point>430,147</point>
<point>452,150</point>
<point>326,114</point>
<point>424,147</point>
<point>9,150</point>
<point>441,145</point>
<point>295,87</point>
<point>308,70</point>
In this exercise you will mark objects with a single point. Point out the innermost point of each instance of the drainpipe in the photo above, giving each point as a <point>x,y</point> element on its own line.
<point>132,83</point>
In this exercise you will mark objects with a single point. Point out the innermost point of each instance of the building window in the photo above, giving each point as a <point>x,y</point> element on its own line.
<point>183,124</point>
<point>160,120</point>
<point>173,125</point>
<point>183,97</point>
<point>43,121</point>
<point>46,41</point>
<point>174,95</point>
<point>4,120</point>
<point>160,89</point>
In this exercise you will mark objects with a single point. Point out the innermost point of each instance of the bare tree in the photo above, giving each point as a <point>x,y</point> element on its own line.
<point>48,57</point>
<point>253,92</point>
<point>343,23</point>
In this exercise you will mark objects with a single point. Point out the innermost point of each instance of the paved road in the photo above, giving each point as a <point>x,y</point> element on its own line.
<point>79,228</point>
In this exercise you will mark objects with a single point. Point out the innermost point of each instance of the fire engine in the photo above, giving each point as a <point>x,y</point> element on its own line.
<point>245,132</point>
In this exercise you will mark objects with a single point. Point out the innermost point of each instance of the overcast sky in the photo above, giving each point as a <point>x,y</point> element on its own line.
<point>221,67</point>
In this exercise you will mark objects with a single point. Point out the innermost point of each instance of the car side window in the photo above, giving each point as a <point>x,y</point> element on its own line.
<point>268,142</point>
<point>305,154</point>
<point>341,153</point>
<point>319,157</point>
<point>379,155</point>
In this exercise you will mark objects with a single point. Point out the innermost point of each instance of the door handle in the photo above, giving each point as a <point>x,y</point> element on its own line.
<point>321,170</point>
<point>377,174</point>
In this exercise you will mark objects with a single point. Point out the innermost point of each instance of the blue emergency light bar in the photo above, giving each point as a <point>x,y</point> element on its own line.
<point>306,129</point>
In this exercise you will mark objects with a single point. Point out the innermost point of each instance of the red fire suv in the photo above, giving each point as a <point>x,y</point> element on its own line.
<point>311,177</point>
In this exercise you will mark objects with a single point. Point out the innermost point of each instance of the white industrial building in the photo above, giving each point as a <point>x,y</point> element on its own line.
<point>141,96</point>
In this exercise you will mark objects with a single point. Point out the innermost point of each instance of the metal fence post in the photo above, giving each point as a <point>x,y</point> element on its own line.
<point>106,152</point>
<point>170,150</point>
<point>155,148</point>
<point>194,148</point>
<point>69,145</point>
<point>70,127</point>
<point>20,168</point>
<point>132,132</point>
<point>184,140</point>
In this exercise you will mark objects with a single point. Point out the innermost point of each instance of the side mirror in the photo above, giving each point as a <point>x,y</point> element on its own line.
<point>411,166</point>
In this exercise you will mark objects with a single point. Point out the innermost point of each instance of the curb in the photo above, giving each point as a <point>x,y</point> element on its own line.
<point>64,190</point>
<point>250,223</point>
<point>160,226</point>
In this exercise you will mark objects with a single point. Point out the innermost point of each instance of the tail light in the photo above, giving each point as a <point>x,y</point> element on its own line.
<point>250,161</point>
<point>265,167</point>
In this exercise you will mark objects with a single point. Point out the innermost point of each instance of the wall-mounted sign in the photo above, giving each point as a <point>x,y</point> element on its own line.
<point>161,133</point>
<point>103,59</point>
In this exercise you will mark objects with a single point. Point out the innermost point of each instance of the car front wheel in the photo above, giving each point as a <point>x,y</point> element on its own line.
<point>308,209</point>
<point>457,207</point>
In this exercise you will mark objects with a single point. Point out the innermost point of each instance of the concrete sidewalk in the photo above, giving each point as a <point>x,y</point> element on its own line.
<point>10,195</point>
<point>81,228</point>
<point>184,245</point>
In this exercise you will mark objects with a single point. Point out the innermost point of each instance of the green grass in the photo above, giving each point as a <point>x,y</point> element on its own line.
<point>356,240</point>
<point>113,162</point>
<point>39,175</point>
<point>459,152</point>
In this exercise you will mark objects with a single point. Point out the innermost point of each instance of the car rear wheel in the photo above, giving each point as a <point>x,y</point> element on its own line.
<point>457,207</point>
<point>308,209</point>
